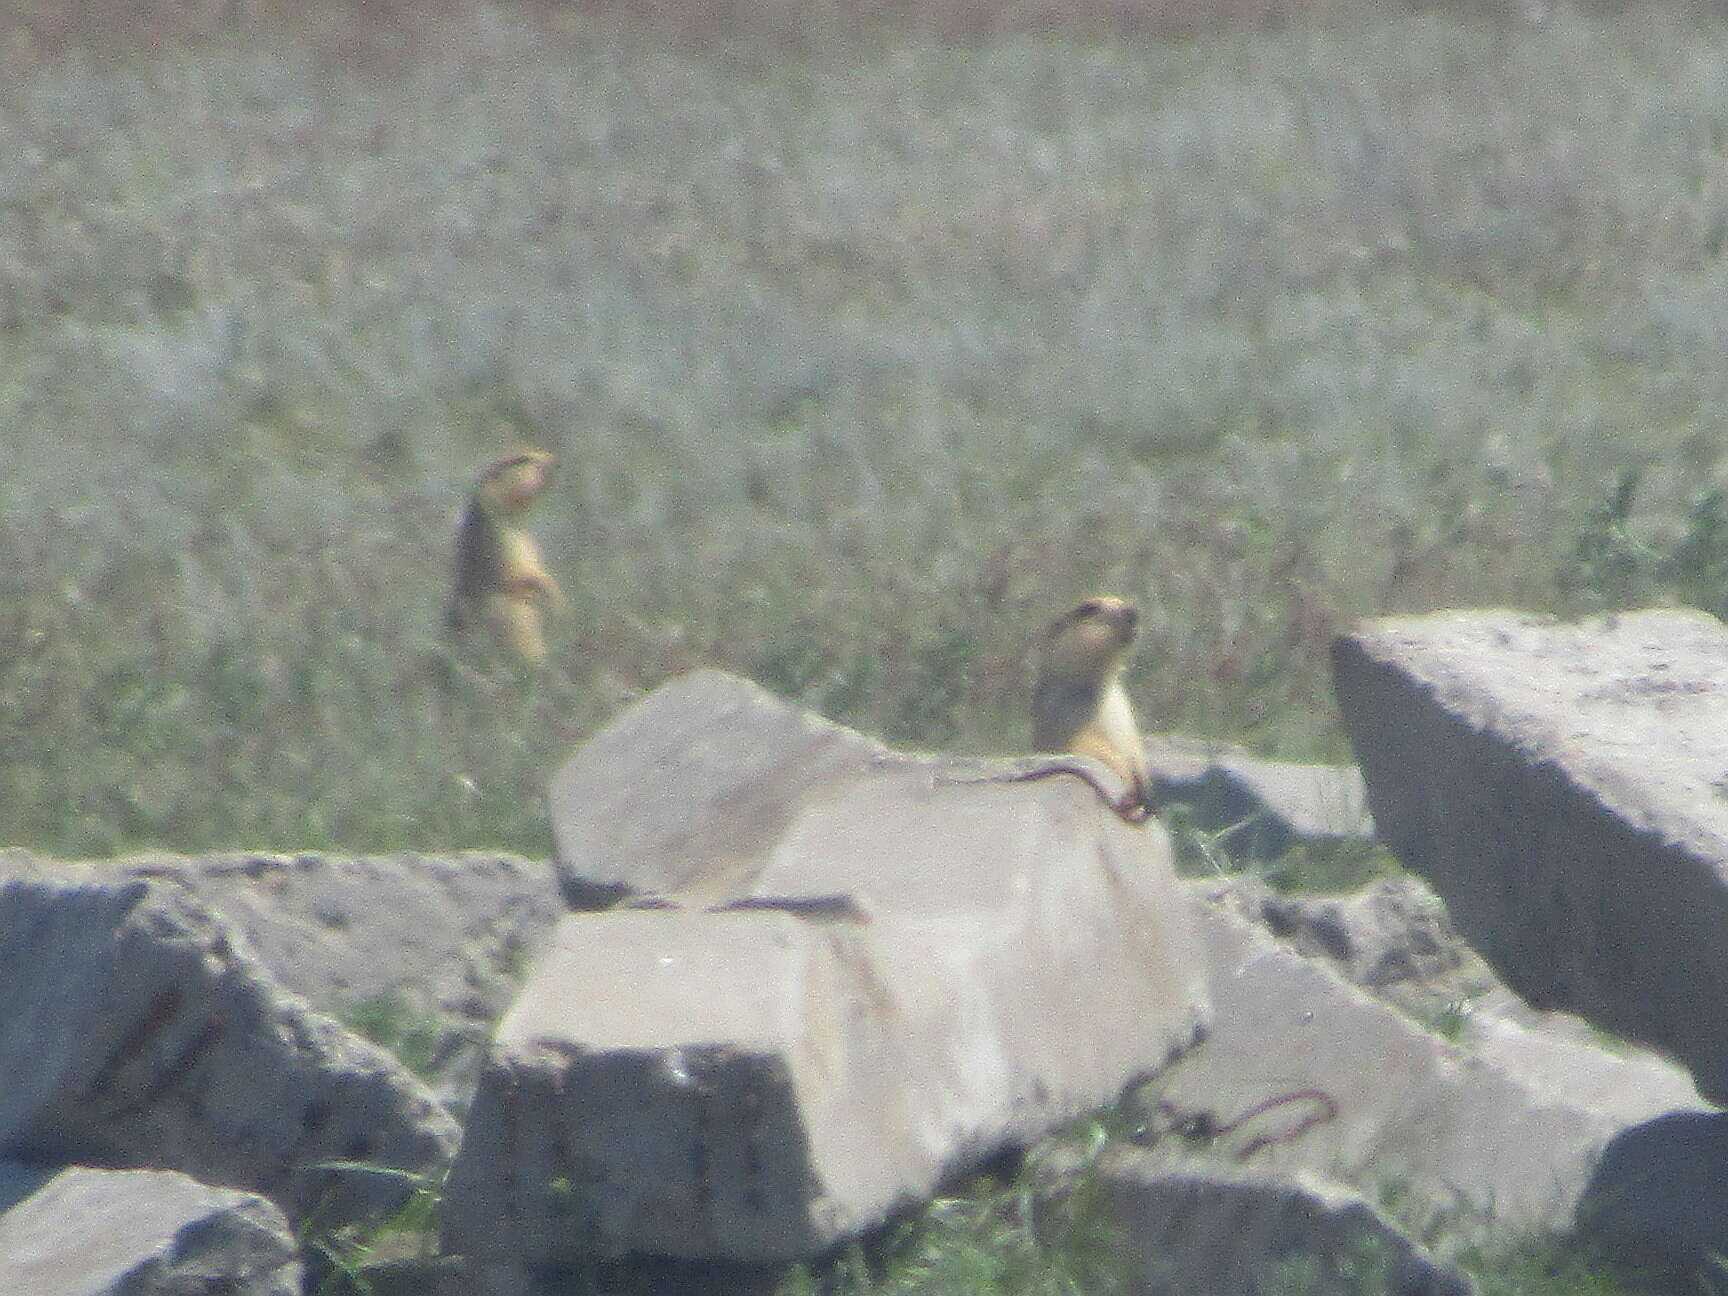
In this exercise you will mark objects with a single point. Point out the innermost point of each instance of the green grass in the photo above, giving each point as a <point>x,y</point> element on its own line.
<point>347,1260</point>
<point>862,358</point>
<point>1546,1264</point>
<point>389,1020</point>
<point>985,1241</point>
<point>1342,864</point>
<point>1365,1271</point>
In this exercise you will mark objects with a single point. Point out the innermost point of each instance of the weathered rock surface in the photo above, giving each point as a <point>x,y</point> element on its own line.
<point>140,1031</point>
<point>1660,1197</point>
<point>1277,803</point>
<point>1394,938</point>
<point>911,967</point>
<point>1563,787</point>
<point>80,1232</point>
<point>685,791</point>
<point>1390,931</point>
<point>1305,1071</point>
<point>430,945</point>
<point>624,1276</point>
<point>1558,1054</point>
<point>1237,1232</point>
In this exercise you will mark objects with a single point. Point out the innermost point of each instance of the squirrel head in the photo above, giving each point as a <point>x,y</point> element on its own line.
<point>511,484</point>
<point>1090,642</point>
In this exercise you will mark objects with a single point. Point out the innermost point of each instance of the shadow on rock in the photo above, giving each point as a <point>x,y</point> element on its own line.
<point>1659,1199</point>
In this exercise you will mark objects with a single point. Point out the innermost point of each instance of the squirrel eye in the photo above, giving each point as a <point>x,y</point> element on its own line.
<point>1090,608</point>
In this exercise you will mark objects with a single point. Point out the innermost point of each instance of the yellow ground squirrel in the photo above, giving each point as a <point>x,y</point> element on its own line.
<point>1079,708</point>
<point>500,582</point>
<point>1079,704</point>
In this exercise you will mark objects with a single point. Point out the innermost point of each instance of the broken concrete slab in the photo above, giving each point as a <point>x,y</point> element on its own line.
<point>425,951</point>
<point>1271,804</point>
<point>1306,1071</point>
<point>141,1032</point>
<point>1230,1231</point>
<point>83,1232</point>
<point>914,966</point>
<point>689,787</point>
<point>756,1085</point>
<point>1558,1055</point>
<point>688,791</point>
<point>1562,786</point>
<point>1394,938</point>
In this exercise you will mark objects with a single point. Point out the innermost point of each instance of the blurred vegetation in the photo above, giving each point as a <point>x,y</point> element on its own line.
<point>863,358</point>
<point>1320,865</point>
<point>391,1021</point>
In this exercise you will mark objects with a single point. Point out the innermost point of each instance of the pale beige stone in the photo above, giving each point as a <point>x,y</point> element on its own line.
<point>1494,1141</point>
<point>436,942</point>
<point>83,1232</point>
<point>140,1031</point>
<point>1564,786</point>
<point>913,965</point>
<point>1227,1231</point>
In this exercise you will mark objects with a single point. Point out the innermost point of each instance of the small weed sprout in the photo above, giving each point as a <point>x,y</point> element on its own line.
<point>347,1252</point>
<point>391,1021</point>
<point>1014,1237</point>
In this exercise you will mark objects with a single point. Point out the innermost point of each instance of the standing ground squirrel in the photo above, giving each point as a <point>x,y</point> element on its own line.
<point>499,580</point>
<point>1079,704</point>
<point>1079,707</point>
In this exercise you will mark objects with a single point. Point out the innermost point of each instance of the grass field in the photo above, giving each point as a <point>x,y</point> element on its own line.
<point>864,355</point>
<point>866,349</point>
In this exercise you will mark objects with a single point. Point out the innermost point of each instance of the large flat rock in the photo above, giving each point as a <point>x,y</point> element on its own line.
<point>140,1031</point>
<point>1229,1231</point>
<point>1306,1072</point>
<point>1565,788</point>
<point>915,966</point>
<point>688,789</point>
<point>424,950</point>
<point>82,1232</point>
<point>1394,939</point>
<point>339,929</point>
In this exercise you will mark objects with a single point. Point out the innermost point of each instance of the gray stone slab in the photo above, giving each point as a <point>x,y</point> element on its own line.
<point>436,943</point>
<point>1227,1231</point>
<point>82,1232</point>
<point>1562,786</point>
<point>1373,1100</point>
<point>1393,938</point>
<point>686,790</point>
<point>1558,1054</point>
<point>140,1031</point>
<point>914,965</point>
<point>1659,1197</point>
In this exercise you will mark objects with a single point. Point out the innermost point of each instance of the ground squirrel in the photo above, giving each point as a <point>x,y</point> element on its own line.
<point>1078,702</point>
<point>1079,708</point>
<point>499,580</point>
